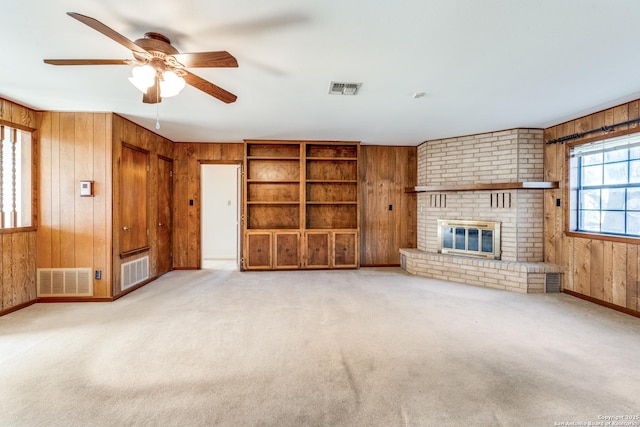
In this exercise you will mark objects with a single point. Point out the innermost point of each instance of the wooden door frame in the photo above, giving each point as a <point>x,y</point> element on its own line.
<point>199,205</point>
<point>171,204</point>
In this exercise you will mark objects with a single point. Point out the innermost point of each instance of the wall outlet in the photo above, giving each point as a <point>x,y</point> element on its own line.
<point>98,274</point>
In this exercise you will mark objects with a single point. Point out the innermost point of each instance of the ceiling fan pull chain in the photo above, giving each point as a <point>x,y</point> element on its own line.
<point>157,109</point>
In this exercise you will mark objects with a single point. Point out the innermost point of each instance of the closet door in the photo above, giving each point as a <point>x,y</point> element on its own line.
<point>133,200</point>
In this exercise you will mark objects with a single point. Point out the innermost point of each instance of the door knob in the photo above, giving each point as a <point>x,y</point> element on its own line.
<point>160,224</point>
<point>125,228</point>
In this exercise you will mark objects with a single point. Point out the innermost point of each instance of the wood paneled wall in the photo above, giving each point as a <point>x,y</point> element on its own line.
<point>74,231</point>
<point>602,270</point>
<point>187,159</point>
<point>125,131</point>
<point>385,172</point>
<point>18,250</point>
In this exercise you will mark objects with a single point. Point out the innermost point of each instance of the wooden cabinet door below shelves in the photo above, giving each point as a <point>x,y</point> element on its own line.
<point>345,250</point>
<point>317,250</point>
<point>258,251</point>
<point>287,247</point>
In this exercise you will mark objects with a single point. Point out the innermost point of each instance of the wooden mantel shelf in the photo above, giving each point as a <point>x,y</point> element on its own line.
<point>519,185</point>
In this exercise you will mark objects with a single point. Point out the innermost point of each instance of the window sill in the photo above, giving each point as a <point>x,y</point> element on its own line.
<point>18,230</point>
<point>605,237</point>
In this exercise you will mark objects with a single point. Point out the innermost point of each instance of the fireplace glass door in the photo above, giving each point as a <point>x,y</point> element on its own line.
<point>471,238</point>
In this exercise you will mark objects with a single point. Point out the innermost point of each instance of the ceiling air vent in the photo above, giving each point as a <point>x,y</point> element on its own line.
<point>337,88</point>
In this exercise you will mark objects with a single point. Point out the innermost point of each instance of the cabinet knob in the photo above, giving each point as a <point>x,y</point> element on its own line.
<point>344,249</point>
<point>286,250</point>
<point>317,249</point>
<point>125,228</point>
<point>160,224</point>
<point>259,250</point>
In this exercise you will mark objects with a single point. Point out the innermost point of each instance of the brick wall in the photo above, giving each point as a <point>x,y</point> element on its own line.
<point>505,156</point>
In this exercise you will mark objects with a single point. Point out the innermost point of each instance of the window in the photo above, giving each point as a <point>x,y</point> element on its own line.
<point>15,178</point>
<point>605,187</point>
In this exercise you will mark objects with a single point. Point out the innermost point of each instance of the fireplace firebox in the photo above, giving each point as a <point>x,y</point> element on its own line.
<point>479,239</point>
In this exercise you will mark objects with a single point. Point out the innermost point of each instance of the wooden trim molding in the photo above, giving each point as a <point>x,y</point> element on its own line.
<point>17,125</point>
<point>379,265</point>
<point>17,307</point>
<point>134,252</point>
<point>71,299</point>
<point>133,288</point>
<point>18,229</point>
<point>621,309</point>
<point>605,237</point>
<point>519,185</point>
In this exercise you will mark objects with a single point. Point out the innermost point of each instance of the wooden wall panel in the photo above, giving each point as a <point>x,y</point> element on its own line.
<point>596,264</point>
<point>74,231</point>
<point>193,214</point>
<point>385,172</point>
<point>619,292</point>
<point>187,159</point>
<point>18,248</point>
<point>607,267</point>
<point>102,188</point>
<point>66,196</point>
<point>632,277</point>
<point>83,206</point>
<point>605,270</point>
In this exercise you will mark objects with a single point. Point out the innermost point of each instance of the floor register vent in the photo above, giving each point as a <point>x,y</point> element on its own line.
<point>134,272</point>
<point>65,282</point>
<point>552,282</point>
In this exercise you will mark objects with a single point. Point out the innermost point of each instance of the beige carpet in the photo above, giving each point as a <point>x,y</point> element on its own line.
<point>373,347</point>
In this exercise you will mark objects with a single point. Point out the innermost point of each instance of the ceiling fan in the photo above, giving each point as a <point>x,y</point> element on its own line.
<point>160,69</point>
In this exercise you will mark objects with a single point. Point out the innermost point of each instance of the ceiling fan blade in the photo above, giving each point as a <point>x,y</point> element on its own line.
<point>87,61</point>
<point>153,94</point>
<point>206,59</point>
<point>208,87</point>
<point>112,34</point>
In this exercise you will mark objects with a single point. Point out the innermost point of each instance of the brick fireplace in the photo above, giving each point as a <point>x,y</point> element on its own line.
<point>494,177</point>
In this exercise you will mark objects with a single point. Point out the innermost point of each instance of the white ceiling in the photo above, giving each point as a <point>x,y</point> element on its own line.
<point>483,65</point>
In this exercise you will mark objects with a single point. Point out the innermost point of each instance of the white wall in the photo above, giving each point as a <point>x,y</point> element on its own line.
<point>219,214</point>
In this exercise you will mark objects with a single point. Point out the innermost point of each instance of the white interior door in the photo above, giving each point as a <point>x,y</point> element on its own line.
<point>219,215</point>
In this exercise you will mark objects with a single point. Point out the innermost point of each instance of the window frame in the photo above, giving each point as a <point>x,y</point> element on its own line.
<point>34,179</point>
<point>618,238</point>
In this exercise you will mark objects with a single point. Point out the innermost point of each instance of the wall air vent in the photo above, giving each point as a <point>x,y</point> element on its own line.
<point>64,282</point>
<point>338,88</point>
<point>552,282</point>
<point>134,272</point>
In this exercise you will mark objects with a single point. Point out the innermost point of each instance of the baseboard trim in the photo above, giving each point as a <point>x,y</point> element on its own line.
<point>133,288</point>
<point>185,268</point>
<point>72,299</point>
<point>619,308</point>
<point>17,307</point>
<point>380,265</point>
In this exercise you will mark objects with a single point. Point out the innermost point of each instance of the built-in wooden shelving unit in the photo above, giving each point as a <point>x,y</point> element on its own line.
<point>301,204</point>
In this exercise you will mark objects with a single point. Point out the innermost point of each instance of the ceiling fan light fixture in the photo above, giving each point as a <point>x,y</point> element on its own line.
<point>171,84</point>
<point>143,77</point>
